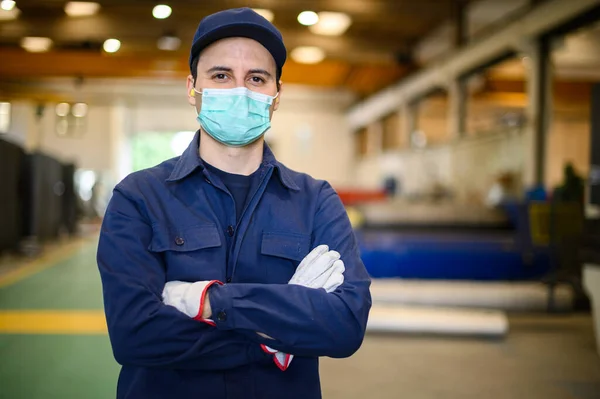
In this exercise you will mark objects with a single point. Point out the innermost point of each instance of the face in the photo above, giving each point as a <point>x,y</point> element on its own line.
<point>235,62</point>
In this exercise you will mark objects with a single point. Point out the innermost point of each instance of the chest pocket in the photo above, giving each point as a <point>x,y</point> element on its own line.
<point>284,251</point>
<point>190,253</point>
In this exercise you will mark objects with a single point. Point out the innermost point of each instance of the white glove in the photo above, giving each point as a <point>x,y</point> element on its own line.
<point>321,268</point>
<point>282,360</point>
<point>186,297</point>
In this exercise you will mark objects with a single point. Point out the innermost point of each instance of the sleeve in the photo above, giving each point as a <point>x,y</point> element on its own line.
<point>305,321</point>
<point>143,330</point>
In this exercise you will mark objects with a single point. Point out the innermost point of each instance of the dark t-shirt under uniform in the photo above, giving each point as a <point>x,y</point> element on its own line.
<point>238,185</point>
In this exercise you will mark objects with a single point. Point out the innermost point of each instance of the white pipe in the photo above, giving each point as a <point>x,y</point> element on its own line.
<point>517,296</point>
<point>591,282</point>
<point>404,319</point>
<point>513,36</point>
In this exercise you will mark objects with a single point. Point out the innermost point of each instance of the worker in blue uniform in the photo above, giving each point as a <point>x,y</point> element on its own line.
<point>225,274</point>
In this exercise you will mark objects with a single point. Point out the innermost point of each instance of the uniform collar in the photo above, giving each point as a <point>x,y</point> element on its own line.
<point>190,160</point>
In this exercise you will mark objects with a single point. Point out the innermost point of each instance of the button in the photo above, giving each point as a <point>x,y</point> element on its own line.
<point>222,316</point>
<point>179,241</point>
<point>230,231</point>
<point>208,181</point>
<point>229,279</point>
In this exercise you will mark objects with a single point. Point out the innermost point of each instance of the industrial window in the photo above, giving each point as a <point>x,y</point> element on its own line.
<point>362,142</point>
<point>432,118</point>
<point>392,134</point>
<point>568,139</point>
<point>497,98</point>
<point>151,148</point>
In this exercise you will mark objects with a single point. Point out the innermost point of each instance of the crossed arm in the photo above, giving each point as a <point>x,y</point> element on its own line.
<point>304,321</point>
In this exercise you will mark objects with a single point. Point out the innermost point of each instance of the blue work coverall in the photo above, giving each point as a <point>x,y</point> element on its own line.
<point>176,221</point>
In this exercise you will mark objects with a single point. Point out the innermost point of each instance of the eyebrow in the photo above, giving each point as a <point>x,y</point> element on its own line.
<point>221,68</point>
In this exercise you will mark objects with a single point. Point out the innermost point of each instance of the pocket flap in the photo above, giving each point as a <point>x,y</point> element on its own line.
<point>285,245</point>
<point>182,239</point>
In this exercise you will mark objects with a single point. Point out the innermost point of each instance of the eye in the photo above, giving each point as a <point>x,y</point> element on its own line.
<point>220,76</point>
<point>257,79</point>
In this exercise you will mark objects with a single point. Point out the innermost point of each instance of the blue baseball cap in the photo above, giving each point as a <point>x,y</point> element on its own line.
<point>239,22</point>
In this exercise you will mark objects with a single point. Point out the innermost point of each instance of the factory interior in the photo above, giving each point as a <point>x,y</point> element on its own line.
<point>483,286</point>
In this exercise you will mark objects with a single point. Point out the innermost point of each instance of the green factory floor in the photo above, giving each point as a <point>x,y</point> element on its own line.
<point>41,361</point>
<point>53,345</point>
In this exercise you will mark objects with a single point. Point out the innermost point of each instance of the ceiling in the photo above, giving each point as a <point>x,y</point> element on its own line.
<point>363,60</point>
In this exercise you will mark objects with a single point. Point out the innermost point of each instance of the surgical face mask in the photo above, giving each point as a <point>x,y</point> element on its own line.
<point>235,117</point>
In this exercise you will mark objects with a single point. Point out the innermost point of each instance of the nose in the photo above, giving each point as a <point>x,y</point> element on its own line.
<point>241,82</point>
<point>238,80</point>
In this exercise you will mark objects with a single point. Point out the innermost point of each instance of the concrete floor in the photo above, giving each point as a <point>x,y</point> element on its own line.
<point>542,357</point>
<point>55,356</point>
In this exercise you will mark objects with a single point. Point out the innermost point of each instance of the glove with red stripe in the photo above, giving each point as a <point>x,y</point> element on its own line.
<point>321,268</point>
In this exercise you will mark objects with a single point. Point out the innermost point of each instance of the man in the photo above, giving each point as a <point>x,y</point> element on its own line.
<point>225,274</point>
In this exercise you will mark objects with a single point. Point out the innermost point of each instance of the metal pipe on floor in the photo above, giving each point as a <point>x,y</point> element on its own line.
<point>437,321</point>
<point>508,296</point>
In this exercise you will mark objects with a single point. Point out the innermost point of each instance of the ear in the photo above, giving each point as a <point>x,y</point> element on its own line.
<point>191,94</point>
<point>278,99</point>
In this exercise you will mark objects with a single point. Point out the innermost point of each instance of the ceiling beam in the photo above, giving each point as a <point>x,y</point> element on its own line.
<point>20,64</point>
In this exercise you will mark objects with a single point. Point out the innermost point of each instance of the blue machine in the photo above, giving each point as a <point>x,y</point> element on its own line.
<point>452,257</point>
<point>456,253</point>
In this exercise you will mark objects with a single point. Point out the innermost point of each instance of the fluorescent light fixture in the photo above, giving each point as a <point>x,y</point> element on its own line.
<point>266,14</point>
<point>7,5</point>
<point>308,55</point>
<point>9,15</point>
<point>168,43</point>
<point>111,45</point>
<point>36,44</point>
<point>81,8</point>
<point>62,109</point>
<point>331,24</point>
<point>161,11</point>
<point>79,110</point>
<point>308,18</point>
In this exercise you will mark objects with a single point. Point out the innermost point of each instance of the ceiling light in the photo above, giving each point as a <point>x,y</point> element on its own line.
<point>308,18</point>
<point>36,44</point>
<point>62,109</point>
<point>266,14</point>
<point>9,15</point>
<point>331,24</point>
<point>81,8</point>
<point>168,43</point>
<point>79,110</point>
<point>161,11</point>
<point>111,45</point>
<point>308,55</point>
<point>7,5</point>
